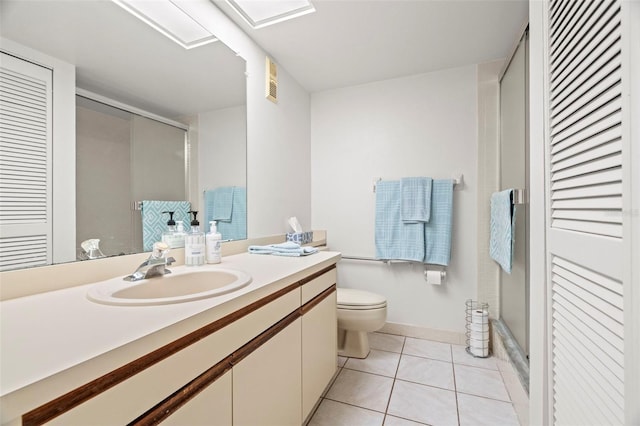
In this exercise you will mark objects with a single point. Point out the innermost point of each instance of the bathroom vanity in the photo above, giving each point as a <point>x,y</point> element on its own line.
<point>262,354</point>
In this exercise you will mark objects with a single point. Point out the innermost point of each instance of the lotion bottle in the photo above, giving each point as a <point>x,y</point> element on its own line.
<point>194,244</point>
<point>214,242</point>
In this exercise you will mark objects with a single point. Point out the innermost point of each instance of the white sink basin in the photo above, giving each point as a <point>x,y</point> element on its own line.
<point>182,286</point>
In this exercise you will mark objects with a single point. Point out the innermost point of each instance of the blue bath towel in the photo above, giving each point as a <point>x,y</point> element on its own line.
<point>395,239</point>
<point>415,199</point>
<point>289,248</point>
<point>437,232</point>
<point>154,222</point>
<point>503,221</point>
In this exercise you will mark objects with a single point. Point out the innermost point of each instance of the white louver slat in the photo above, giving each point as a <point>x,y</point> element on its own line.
<point>585,120</point>
<point>25,164</point>
<point>585,163</point>
<point>588,340</point>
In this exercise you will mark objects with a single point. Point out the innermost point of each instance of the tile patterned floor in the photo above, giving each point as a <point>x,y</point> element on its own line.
<point>407,382</point>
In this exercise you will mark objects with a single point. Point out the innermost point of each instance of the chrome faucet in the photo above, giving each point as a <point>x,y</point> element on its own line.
<point>155,265</point>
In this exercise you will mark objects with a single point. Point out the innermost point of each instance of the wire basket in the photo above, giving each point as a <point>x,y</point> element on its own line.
<point>477,328</point>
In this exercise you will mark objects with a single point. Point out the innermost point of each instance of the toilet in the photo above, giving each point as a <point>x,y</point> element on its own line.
<point>359,312</point>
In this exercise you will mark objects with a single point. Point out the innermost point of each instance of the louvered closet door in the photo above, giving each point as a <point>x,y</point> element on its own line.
<point>25,164</point>
<point>585,201</point>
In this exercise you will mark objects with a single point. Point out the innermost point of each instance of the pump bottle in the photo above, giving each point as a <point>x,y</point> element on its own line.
<point>213,242</point>
<point>194,244</point>
<point>168,236</point>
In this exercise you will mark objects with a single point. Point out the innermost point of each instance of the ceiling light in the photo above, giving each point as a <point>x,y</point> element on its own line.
<point>260,13</point>
<point>168,18</point>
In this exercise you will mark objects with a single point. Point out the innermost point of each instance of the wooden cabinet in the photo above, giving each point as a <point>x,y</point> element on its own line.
<point>211,407</point>
<point>267,383</point>
<point>266,363</point>
<point>319,349</point>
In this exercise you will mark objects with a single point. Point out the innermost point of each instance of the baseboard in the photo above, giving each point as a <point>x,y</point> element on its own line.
<point>419,332</point>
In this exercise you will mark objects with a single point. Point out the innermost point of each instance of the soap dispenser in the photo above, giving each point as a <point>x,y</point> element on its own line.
<point>178,236</point>
<point>194,244</point>
<point>214,244</point>
<point>168,236</point>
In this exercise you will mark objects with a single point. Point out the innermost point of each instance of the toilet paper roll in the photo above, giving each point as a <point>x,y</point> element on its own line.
<point>478,326</point>
<point>479,341</point>
<point>478,316</point>
<point>481,352</point>
<point>479,335</point>
<point>433,277</point>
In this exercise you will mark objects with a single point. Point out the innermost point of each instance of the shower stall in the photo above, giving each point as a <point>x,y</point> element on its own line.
<point>513,323</point>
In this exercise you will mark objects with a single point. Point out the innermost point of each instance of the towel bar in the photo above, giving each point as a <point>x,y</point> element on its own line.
<point>373,259</point>
<point>457,181</point>
<point>519,196</point>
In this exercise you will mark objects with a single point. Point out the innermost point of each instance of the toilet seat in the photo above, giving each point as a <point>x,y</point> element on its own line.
<point>352,299</point>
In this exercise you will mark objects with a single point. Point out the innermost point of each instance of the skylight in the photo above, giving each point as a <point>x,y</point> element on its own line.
<point>261,13</point>
<point>168,18</point>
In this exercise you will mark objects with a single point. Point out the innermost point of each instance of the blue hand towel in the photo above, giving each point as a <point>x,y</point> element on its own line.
<point>415,199</point>
<point>227,206</point>
<point>154,222</point>
<point>395,239</point>
<point>219,203</point>
<point>236,228</point>
<point>437,232</point>
<point>283,249</point>
<point>503,221</point>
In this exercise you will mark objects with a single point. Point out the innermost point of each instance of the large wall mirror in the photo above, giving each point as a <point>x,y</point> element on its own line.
<point>188,105</point>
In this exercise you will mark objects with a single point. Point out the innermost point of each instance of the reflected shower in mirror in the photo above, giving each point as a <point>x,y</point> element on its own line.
<point>119,58</point>
<point>122,157</point>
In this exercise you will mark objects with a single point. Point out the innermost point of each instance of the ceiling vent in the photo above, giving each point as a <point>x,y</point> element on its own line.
<point>272,81</point>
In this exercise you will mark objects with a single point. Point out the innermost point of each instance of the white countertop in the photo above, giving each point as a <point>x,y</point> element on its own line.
<point>45,334</point>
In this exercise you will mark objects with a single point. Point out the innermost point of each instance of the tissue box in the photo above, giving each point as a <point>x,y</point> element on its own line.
<point>300,237</point>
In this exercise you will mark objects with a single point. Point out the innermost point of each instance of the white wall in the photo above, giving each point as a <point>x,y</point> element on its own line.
<point>278,148</point>
<point>422,125</point>
<point>222,149</point>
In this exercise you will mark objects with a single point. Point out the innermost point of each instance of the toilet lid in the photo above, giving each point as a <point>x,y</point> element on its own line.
<point>350,298</point>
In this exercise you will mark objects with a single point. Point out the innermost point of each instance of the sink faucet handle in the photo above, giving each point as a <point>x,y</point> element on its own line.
<point>160,250</point>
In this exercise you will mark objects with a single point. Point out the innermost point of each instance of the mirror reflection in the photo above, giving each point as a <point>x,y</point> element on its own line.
<point>189,105</point>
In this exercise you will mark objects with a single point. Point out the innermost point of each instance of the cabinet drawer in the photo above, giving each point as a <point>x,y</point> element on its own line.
<point>318,285</point>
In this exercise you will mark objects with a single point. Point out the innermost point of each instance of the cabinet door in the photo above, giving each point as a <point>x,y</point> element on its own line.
<point>267,383</point>
<point>319,351</point>
<point>210,407</point>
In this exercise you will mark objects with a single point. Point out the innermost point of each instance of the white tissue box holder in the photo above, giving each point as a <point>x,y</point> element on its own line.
<point>300,237</point>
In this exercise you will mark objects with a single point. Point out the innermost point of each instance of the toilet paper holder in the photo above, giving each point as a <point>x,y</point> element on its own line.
<point>434,277</point>
<point>477,328</point>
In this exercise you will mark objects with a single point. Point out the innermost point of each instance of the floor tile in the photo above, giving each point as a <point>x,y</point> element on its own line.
<point>397,421</point>
<point>423,404</point>
<point>480,382</point>
<point>386,342</point>
<point>461,356</point>
<point>427,349</point>
<point>332,413</point>
<point>361,389</point>
<point>342,360</point>
<point>426,371</point>
<point>377,362</point>
<point>477,411</point>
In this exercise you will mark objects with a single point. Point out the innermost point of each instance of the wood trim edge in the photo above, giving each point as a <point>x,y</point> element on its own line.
<point>319,298</point>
